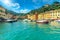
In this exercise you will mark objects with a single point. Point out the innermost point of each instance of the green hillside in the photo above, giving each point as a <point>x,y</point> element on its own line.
<point>47,7</point>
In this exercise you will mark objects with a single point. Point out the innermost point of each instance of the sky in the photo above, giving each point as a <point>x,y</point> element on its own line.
<point>24,6</point>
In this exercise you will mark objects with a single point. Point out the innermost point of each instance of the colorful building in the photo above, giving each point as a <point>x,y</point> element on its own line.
<point>5,15</point>
<point>53,14</point>
<point>31,17</point>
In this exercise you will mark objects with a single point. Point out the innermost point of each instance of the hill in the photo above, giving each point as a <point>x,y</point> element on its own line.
<point>47,7</point>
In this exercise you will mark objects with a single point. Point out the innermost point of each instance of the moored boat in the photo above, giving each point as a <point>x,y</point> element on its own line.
<point>2,19</point>
<point>10,20</point>
<point>57,20</point>
<point>42,21</point>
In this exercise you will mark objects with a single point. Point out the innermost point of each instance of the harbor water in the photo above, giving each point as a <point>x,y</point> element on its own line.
<point>29,31</point>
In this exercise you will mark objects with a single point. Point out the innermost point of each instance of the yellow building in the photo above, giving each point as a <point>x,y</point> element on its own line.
<point>58,14</point>
<point>28,17</point>
<point>40,16</point>
<point>31,17</point>
<point>47,15</point>
<point>53,14</point>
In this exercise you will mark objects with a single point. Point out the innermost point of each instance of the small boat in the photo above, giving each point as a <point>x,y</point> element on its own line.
<point>2,19</point>
<point>42,21</point>
<point>57,20</point>
<point>10,20</point>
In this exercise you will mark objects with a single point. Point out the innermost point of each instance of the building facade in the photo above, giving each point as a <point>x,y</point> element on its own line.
<point>53,14</point>
<point>3,13</point>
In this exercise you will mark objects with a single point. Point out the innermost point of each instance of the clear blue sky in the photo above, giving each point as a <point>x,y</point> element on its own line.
<point>24,6</point>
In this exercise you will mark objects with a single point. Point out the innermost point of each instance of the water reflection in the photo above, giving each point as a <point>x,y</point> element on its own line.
<point>53,27</point>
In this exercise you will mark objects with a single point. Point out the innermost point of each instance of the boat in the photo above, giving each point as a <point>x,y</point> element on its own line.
<point>2,19</point>
<point>10,20</point>
<point>42,21</point>
<point>7,20</point>
<point>57,20</point>
<point>26,20</point>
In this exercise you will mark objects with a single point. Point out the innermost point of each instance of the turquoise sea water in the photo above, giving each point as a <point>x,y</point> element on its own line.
<point>29,31</point>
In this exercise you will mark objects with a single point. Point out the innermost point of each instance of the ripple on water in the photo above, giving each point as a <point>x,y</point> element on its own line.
<point>29,31</point>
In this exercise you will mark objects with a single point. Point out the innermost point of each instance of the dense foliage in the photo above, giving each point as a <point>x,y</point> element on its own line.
<point>47,7</point>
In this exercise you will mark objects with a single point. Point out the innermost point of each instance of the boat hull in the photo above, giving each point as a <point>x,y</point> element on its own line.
<point>43,22</point>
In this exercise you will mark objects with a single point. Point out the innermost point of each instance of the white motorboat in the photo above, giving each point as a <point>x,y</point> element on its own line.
<point>42,21</point>
<point>57,20</point>
<point>10,20</point>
